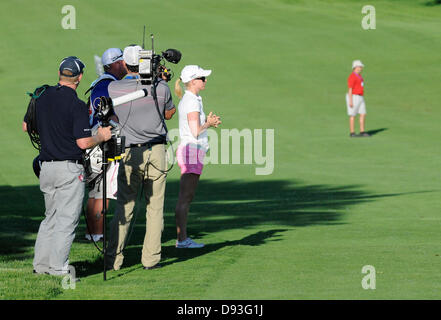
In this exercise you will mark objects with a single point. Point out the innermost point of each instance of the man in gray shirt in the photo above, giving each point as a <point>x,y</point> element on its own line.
<point>144,162</point>
<point>140,119</point>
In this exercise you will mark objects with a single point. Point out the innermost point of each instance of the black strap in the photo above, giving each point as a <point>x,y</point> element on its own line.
<point>148,144</point>
<point>155,98</point>
<point>93,87</point>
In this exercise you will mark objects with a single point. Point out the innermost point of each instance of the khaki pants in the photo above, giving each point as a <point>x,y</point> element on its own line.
<point>133,171</point>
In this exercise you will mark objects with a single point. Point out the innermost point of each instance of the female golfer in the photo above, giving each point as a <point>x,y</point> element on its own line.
<point>193,125</point>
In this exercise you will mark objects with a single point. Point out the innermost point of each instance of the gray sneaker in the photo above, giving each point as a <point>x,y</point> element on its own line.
<point>188,243</point>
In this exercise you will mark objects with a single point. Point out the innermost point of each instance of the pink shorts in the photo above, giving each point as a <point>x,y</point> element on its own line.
<point>190,158</point>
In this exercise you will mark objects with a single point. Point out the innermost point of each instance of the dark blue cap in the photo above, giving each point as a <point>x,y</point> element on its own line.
<point>71,66</point>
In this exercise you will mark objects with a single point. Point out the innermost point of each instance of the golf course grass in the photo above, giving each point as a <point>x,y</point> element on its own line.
<point>332,205</point>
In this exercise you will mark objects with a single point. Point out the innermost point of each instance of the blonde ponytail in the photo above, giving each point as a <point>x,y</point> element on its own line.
<point>178,88</point>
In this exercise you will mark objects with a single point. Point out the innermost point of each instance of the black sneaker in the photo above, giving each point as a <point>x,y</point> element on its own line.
<point>35,272</point>
<point>156,266</point>
<point>352,135</point>
<point>364,134</point>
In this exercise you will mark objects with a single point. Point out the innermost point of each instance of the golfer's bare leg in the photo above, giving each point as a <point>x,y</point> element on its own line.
<point>187,189</point>
<point>352,124</point>
<point>362,122</point>
<point>94,216</point>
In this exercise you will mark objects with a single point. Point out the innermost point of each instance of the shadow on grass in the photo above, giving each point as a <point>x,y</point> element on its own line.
<point>255,239</point>
<point>22,209</point>
<point>172,255</point>
<point>374,132</point>
<point>432,3</point>
<point>218,206</point>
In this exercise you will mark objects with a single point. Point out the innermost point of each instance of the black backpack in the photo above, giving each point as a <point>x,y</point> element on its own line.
<point>30,117</point>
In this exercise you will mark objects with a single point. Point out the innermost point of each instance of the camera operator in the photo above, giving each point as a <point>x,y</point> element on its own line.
<point>114,69</point>
<point>63,127</point>
<point>144,163</point>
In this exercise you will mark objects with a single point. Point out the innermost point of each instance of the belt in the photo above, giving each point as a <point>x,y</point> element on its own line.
<point>71,161</point>
<point>146,144</point>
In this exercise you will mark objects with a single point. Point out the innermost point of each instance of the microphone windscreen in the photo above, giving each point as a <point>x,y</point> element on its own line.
<point>172,55</point>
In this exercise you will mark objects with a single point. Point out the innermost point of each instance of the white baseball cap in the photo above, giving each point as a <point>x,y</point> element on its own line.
<point>111,55</point>
<point>131,55</point>
<point>191,72</point>
<point>357,63</point>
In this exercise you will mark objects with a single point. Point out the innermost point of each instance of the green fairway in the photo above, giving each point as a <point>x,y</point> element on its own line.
<point>332,205</point>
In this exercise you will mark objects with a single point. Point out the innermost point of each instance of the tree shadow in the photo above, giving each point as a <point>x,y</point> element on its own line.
<point>228,205</point>
<point>432,3</point>
<point>172,255</point>
<point>374,132</point>
<point>254,239</point>
<point>21,209</point>
<point>218,206</point>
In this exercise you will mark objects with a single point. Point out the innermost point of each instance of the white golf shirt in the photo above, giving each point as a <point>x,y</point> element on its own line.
<point>190,103</point>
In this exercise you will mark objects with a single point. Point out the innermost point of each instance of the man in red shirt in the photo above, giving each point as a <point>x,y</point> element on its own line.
<point>354,99</point>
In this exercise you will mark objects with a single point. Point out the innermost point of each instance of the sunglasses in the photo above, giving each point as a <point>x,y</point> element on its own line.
<point>201,78</point>
<point>116,58</point>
